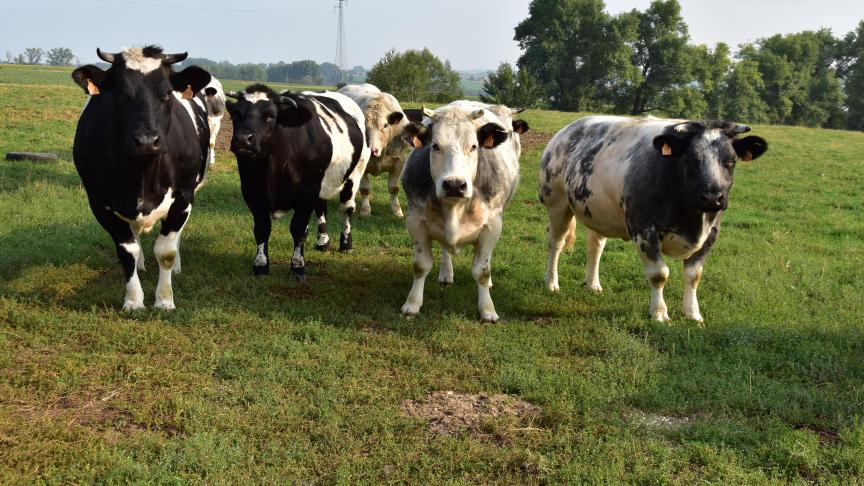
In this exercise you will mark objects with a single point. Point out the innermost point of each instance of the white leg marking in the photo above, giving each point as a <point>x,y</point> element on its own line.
<point>560,220</point>
<point>422,266</point>
<point>260,259</point>
<point>481,268</point>
<point>445,274</point>
<point>596,243</point>
<point>166,249</point>
<point>297,260</point>
<point>365,194</point>
<point>692,275</point>
<point>139,261</point>
<point>657,273</point>
<point>395,207</point>
<point>134,299</point>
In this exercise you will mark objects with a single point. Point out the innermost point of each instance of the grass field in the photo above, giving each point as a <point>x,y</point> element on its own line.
<point>264,380</point>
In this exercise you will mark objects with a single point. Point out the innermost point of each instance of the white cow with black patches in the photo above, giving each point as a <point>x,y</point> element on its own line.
<point>663,184</point>
<point>457,186</point>
<point>214,97</point>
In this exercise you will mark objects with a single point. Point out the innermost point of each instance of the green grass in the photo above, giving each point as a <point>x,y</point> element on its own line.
<point>263,380</point>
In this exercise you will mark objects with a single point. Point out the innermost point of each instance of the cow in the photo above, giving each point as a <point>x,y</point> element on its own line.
<point>663,184</point>
<point>141,151</point>
<point>457,185</point>
<point>214,96</point>
<point>296,151</point>
<point>384,123</point>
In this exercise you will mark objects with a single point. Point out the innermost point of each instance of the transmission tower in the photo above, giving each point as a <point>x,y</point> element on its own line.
<point>341,54</point>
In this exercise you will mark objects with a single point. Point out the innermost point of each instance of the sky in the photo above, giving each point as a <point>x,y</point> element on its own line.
<point>472,34</point>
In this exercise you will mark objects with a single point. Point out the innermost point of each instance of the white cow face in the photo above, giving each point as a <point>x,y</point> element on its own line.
<point>383,124</point>
<point>455,142</point>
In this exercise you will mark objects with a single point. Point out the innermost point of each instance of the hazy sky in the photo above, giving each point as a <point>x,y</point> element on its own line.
<point>472,34</point>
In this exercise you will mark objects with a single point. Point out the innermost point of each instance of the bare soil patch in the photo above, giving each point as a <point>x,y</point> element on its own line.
<point>479,415</point>
<point>531,140</point>
<point>226,131</point>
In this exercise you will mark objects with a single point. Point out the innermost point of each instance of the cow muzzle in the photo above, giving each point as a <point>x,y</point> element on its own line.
<point>454,188</point>
<point>712,201</point>
<point>147,143</point>
<point>244,142</point>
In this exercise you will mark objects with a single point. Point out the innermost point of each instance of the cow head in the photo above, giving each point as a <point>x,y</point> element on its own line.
<point>455,139</point>
<point>384,121</point>
<point>256,115</point>
<point>141,89</point>
<point>707,153</point>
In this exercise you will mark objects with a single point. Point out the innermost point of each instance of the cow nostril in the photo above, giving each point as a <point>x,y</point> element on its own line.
<point>249,138</point>
<point>157,142</point>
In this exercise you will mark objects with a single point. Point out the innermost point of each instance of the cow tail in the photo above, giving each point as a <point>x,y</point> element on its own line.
<point>570,238</point>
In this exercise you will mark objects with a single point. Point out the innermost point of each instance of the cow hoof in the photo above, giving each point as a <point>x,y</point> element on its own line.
<point>164,305</point>
<point>697,318</point>
<point>365,211</point>
<point>398,212</point>
<point>324,247</point>
<point>130,306</point>
<point>409,311</point>
<point>299,273</point>
<point>553,288</point>
<point>490,317</point>
<point>595,288</point>
<point>260,271</point>
<point>445,283</point>
<point>661,317</point>
<point>346,246</point>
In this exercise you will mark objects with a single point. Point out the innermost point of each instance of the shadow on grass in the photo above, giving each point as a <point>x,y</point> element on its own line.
<point>15,175</point>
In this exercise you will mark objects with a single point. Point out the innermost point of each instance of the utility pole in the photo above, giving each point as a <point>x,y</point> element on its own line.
<point>341,46</point>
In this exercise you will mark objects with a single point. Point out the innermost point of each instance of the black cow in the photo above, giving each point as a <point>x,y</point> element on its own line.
<point>141,150</point>
<point>295,151</point>
<point>662,183</point>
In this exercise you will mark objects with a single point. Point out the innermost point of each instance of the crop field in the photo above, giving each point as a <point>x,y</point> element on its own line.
<point>267,380</point>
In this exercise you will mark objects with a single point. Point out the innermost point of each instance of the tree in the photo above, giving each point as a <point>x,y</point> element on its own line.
<point>330,73</point>
<point>850,67</point>
<point>416,76</point>
<point>34,55</point>
<point>710,69</point>
<point>575,51</point>
<point>741,94</point>
<point>19,59</point>
<point>513,88</point>
<point>658,39</point>
<point>60,56</point>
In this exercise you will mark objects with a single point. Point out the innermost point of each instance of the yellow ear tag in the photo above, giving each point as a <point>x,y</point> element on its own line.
<point>416,142</point>
<point>666,150</point>
<point>91,88</point>
<point>748,156</point>
<point>187,95</point>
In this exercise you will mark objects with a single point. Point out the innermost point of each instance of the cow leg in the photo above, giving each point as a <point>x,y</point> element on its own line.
<point>393,187</point>
<point>596,243</point>
<point>481,268</point>
<point>445,275</point>
<point>561,222</point>
<point>692,274</point>
<point>323,243</point>
<point>128,252</point>
<point>215,124</point>
<point>167,251</point>
<point>299,230</point>
<point>648,246</point>
<point>253,186</point>
<point>262,228</point>
<point>139,262</point>
<point>346,199</point>
<point>365,194</point>
<point>422,266</point>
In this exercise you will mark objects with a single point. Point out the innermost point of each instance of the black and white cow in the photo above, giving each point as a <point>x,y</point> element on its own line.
<point>141,150</point>
<point>457,186</point>
<point>214,96</point>
<point>296,151</point>
<point>663,184</point>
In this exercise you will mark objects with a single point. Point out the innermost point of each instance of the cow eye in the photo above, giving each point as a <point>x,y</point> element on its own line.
<point>269,118</point>
<point>436,147</point>
<point>166,97</point>
<point>473,147</point>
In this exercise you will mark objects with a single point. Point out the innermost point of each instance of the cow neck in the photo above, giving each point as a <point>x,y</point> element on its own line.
<point>453,213</point>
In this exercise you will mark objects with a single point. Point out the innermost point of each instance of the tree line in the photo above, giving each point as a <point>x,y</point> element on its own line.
<point>58,56</point>
<point>301,72</point>
<point>578,57</point>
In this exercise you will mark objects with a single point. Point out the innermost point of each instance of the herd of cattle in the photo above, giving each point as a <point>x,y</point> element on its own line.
<point>146,138</point>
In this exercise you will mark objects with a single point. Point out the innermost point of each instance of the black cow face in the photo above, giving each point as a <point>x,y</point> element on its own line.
<point>707,154</point>
<point>257,113</point>
<point>139,87</point>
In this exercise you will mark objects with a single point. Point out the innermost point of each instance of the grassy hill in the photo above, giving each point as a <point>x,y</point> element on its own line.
<point>264,380</point>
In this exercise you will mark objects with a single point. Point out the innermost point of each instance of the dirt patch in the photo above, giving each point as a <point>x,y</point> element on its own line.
<point>226,131</point>
<point>97,413</point>
<point>479,415</point>
<point>531,140</point>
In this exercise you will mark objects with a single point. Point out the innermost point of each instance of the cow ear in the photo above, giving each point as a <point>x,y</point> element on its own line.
<point>291,113</point>
<point>192,79</point>
<point>395,118</point>
<point>416,134</point>
<point>750,148</point>
<point>520,126</point>
<point>670,145</point>
<point>90,78</point>
<point>491,135</point>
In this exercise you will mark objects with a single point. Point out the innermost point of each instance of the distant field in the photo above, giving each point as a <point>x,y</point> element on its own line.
<point>262,380</point>
<point>471,88</point>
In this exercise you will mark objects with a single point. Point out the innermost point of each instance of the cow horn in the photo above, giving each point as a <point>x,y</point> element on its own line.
<point>286,100</point>
<point>428,112</point>
<point>686,127</point>
<point>475,114</point>
<point>517,110</point>
<point>738,129</point>
<point>233,94</point>
<point>175,58</point>
<point>107,56</point>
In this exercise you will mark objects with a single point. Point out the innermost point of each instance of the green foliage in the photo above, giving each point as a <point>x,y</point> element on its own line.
<point>306,72</point>
<point>34,55</point>
<point>60,56</point>
<point>741,97</point>
<point>416,76</point>
<point>513,88</point>
<point>851,69</point>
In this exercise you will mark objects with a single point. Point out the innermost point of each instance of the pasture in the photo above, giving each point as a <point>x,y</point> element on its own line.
<point>266,380</point>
